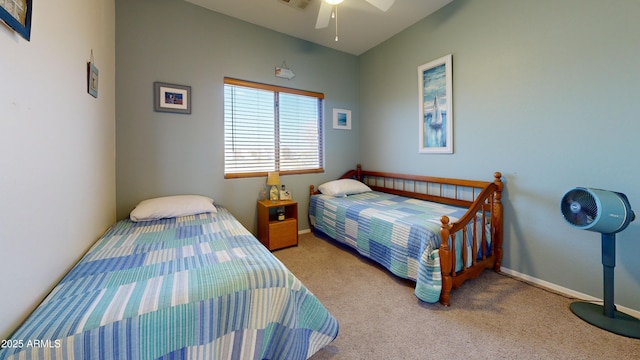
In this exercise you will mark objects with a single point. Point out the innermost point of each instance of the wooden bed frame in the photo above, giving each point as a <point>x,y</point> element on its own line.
<point>483,200</point>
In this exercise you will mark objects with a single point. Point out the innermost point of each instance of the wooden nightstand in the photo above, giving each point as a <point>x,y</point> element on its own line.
<point>274,233</point>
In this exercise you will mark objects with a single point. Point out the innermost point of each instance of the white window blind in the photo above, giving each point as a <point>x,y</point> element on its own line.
<point>271,128</point>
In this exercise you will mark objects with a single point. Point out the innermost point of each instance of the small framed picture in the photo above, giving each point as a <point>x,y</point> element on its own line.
<point>172,98</point>
<point>17,14</point>
<point>92,79</point>
<point>342,119</point>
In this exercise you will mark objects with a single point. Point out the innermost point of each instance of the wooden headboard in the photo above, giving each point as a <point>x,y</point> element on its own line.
<point>457,192</point>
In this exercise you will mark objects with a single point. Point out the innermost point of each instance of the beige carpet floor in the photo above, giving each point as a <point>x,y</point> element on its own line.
<point>491,317</point>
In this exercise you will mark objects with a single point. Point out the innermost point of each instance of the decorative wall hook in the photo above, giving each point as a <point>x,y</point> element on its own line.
<point>284,72</point>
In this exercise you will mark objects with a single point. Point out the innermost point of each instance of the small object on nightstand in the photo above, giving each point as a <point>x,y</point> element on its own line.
<point>285,194</point>
<point>281,213</point>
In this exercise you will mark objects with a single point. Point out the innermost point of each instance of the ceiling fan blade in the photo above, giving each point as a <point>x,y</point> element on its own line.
<point>324,15</point>
<point>383,5</point>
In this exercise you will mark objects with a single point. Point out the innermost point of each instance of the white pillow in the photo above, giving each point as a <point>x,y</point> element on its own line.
<point>343,187</point>
<point>171,206</point>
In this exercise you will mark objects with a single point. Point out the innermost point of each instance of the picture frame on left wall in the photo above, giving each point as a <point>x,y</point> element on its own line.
<point>92,79</point>
<point>17,15</point>
<point>171,98</point>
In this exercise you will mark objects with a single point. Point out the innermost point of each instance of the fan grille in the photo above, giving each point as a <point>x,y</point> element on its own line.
<point>579,207</point>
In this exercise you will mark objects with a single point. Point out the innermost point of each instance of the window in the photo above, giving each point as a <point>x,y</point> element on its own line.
<point>271,128</point>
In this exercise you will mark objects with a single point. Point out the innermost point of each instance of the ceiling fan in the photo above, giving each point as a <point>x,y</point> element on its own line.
<point>328,8</point>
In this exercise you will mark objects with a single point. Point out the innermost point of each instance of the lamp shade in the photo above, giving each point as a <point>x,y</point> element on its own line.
<point>273,178</point>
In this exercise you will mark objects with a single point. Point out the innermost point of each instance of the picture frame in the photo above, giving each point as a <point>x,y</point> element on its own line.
<point>342,119</point>
<point>172,98</point>
<point>435,89</point>
<point>17,15</point>
<point>92,79</point>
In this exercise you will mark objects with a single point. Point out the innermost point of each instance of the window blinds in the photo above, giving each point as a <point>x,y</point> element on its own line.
<point>270,128</point>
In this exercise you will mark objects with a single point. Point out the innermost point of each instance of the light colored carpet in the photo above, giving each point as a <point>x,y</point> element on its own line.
<point>491,317</point>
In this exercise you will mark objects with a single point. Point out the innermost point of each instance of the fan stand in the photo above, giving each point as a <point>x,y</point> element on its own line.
<point>607,317</point>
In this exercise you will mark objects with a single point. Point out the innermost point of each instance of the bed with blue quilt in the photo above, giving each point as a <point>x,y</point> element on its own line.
<point>400,221</point>
<point>198,286</point>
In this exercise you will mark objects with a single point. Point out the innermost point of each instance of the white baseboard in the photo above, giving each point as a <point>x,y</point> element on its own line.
<point>300,232</point>
<point>564,291</point>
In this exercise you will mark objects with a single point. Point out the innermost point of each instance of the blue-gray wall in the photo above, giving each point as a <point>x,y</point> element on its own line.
<point>545,92</point>
<point>176,42</point>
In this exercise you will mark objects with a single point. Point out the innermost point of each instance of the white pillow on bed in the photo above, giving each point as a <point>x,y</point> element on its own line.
<point>343,187</point>
<point>171,206</point>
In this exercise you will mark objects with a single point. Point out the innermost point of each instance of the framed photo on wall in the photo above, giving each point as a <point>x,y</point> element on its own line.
<point>342,119</point>
<point>171,98</point>
<point>17,14</point>
<point>92,79</point>
<point>436,106</point>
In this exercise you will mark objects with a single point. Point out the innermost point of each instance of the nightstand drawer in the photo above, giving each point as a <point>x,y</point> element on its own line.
<point>283,233</point>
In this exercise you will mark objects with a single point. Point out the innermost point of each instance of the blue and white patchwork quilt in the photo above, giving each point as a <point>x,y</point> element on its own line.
<point>400,233</point>
<point>193,287</point>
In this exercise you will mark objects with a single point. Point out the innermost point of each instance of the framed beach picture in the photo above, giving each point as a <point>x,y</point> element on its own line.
<point>17,14</point>
<point>172,98</point>
<point>342,119</point>
<point>436,104</point>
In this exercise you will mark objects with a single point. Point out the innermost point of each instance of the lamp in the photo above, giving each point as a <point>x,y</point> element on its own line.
<point>273,179</point>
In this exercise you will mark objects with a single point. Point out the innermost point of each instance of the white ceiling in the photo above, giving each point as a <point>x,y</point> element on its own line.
<point>361,26</point>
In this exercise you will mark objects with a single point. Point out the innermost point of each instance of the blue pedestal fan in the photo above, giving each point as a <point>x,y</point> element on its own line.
<point>608,213</point>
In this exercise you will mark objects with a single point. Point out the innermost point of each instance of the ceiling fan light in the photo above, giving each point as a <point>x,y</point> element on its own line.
<point>333,2</point>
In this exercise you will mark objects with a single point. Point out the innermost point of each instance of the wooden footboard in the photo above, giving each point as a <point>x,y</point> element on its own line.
<point>487,208</point>
<point>481,198</point>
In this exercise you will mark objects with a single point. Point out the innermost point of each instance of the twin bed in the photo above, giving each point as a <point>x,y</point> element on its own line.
<point>190,282</point>
<point>196,286</point>
<point>437,232</point>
